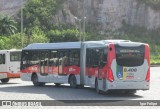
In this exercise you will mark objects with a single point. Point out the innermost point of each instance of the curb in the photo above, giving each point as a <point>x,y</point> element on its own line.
<point>154,65</point>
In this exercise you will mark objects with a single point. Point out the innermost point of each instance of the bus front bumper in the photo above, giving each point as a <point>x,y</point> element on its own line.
<point>3,76</point>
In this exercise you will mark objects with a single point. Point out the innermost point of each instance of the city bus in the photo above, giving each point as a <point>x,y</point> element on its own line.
<point>104,65</point>
<point>9,64</point>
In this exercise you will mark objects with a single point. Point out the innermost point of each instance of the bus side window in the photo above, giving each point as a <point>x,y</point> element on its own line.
<point>95,58</point>
<point>74,57</point>
<point>103,57</point>
<point>33,58</point>
<point>53,61</point>
<point>2,58</point>
<point>92,57</point>
<point>88,58</point>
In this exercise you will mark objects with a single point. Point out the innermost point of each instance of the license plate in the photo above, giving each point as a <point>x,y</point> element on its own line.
<point>126,74</point>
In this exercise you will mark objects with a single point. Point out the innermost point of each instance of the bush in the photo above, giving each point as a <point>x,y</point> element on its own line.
<point>63,35</point>
<point>37,36</point>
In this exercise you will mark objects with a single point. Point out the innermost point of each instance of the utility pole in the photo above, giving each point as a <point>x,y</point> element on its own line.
<point>84,18</point>
<point>80,29</point>
<point>22,23</point>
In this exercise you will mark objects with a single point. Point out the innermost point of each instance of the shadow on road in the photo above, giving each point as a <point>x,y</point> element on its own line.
<point>8,83</point>
<point>66,93</point>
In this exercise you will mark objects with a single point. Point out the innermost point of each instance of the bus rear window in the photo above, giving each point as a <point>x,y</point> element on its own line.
<point>130,56</point>
<point>15,56</point>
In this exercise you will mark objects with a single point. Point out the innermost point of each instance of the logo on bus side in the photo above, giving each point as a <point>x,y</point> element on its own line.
<point>72,69</point>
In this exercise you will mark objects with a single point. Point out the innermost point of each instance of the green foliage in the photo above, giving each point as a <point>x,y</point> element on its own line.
<point>4,42</point>
<point>38,36</point>
<point>15,40</point>
<point>39,13</point>
<point>92,33</point>
<point>7,25</point>
<point>155,59</point>
<point>63,35</point>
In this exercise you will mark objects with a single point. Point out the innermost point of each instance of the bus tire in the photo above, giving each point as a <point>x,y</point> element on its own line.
<point>73,81</point>
<point>96,87</point>
<point>35,80</point>
<point>5,80</point>
<point>57,84</point>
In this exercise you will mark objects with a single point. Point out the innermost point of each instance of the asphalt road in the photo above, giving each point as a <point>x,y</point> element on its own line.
<point>22,90</point>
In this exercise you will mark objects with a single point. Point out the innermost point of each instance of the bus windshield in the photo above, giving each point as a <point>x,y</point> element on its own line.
<point>130,56</point>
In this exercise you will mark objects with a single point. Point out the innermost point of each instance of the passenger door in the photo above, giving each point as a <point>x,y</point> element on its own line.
<point>44,59</point>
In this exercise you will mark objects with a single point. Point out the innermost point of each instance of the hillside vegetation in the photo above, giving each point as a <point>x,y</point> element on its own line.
<point>155,4</point>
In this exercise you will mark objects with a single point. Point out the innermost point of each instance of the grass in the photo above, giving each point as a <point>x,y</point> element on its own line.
<point>155,59</point>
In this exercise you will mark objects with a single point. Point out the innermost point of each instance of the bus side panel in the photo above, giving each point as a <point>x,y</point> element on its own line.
<point>14,69</point>
<point>27,72</point>
<point>4,66</point>
<point>25,76</point>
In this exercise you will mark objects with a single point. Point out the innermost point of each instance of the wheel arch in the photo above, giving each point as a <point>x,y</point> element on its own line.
<point>34,73</point>
<point>70,77</point>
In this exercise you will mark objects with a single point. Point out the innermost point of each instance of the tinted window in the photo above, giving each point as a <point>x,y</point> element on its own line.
<point>103,57</point>
<point>129,56</point>
<point>53,58</point>
<point>92,57</point>
<point>96,57</point>
<point>2,58</point>
<point>44,57</point>
<point>74,57</point>
<point>15,56</point>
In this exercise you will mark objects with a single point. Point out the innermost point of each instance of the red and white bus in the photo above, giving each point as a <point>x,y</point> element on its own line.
<point>9,64</point>
<point>104,65</point>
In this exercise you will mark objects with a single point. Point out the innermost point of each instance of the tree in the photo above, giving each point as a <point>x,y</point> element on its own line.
<point>63,35</point>
<point>36,36</point>
<point>7,25</point>
<point>39,13</point>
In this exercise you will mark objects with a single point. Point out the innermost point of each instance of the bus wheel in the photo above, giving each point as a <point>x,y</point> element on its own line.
<point>35,80</point>
<point>73,81</point>
<point>96,86</point>
<point>57,84</point>
<point>5,80</point>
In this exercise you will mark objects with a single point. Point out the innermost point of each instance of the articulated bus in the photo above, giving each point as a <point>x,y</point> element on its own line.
<point>9,64</point>
<point>104,65</point>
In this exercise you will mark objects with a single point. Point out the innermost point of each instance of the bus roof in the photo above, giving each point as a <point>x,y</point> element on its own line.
<point>64,45</point>
<point>11,50</point>
<point>67,45</point>
<point>114,41</point>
